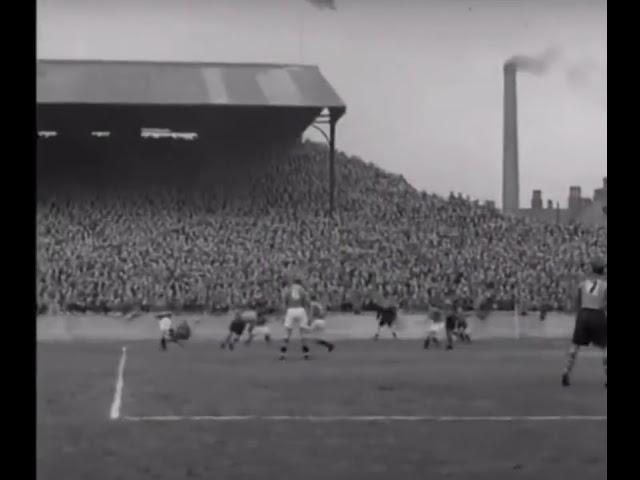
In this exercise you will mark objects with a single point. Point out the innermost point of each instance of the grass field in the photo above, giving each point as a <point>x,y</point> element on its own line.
<point>490,410</point>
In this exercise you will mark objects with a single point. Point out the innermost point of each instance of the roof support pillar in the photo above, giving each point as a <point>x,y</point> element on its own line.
<point>332,165</point>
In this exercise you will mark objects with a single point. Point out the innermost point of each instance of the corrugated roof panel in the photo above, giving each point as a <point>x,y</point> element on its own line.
<point>243,87</point>
<point>216,88</point>
<point>279,88</point>
<point>107,82</point>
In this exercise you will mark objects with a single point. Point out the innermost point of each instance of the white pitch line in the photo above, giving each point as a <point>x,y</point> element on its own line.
<point>117,395</point>
<point>367,418</point>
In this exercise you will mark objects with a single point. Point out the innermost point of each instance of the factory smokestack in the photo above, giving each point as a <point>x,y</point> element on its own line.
<point>510,174</point>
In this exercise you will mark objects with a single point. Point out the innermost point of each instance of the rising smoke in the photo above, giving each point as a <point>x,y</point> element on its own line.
<point>537,65</point>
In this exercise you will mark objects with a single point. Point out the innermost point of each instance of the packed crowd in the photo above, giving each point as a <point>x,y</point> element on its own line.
<point>221,243</point>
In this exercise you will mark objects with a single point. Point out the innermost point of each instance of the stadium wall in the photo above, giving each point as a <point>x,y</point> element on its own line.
<point>499,325</point>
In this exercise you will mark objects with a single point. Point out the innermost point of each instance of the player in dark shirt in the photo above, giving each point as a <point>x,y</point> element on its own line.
<point>386,314</point>
<point>237,327</point>
<point>591,320</point>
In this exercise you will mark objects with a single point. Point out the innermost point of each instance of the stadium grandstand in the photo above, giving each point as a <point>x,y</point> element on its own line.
<point>189,187</point>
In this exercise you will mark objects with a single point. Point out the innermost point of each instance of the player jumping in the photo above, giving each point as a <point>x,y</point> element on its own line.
<point>591,320</point>
<point>296,301</point>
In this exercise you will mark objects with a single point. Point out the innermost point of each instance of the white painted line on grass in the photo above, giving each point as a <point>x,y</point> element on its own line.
<point>117,395</point>
<point>366,418</point>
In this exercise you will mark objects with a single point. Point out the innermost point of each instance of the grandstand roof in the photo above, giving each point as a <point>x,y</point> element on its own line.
<point>80,82</point>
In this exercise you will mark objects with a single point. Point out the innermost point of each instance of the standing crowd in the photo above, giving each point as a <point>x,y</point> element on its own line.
<point>219,244</point>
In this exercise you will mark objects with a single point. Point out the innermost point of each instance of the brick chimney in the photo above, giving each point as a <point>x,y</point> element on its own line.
<point>536,200</point>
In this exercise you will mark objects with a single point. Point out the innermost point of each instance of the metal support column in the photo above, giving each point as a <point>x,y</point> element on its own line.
<point>332,166</point>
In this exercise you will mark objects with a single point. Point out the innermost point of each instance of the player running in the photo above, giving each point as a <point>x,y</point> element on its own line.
<point>296,302</point>
<point>386,316</point>
<point>591,320</point>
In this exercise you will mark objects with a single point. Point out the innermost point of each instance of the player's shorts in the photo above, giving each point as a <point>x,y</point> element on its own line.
<point>167,333</point>
<point>451,322</point>
<point>436,327</point>
<point>387,318</point>
<point>237,327</point>
<point>591,328</point>
<point>461,324</point>
<point>296,316</point>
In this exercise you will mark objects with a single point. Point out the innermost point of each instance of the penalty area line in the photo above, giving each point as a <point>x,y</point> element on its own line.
<point>364,418</point>
<point>114,413</point>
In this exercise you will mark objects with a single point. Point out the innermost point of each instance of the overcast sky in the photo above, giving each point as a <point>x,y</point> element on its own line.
<point>422,79</point>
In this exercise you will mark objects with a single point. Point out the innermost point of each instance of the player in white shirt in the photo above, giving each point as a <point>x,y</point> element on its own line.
<point>171,334</point>
<point>167,332</point>
<point>436,328</point>
<point>296,302</point>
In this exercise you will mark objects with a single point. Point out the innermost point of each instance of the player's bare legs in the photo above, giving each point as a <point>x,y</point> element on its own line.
<point>390,327</point>
<point>432,337</point>
<point>230,341</point>
<point>377,334</point>
<point>226,341</point>
<point>303,341</point>
<point>571,361</point>
<point>250,335</point>
<point>284,348</point>
<point>449,339</point>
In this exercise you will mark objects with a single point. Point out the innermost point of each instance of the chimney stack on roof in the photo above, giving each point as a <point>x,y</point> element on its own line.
<point>536,200</point>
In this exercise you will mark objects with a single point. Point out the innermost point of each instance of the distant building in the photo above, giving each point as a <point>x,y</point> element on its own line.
<point>579,209</point>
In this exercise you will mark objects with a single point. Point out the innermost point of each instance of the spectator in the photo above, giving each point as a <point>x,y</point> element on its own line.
<point>214,246</point>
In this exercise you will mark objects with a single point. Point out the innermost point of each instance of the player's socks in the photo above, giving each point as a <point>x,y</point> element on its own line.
<point>449,343</point>
<point>305,352</point>
<point>571,361</point>
<point>565,380</point>
<point>163,343</point>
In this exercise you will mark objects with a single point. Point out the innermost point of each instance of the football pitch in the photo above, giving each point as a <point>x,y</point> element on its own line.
<point>369,410</point>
